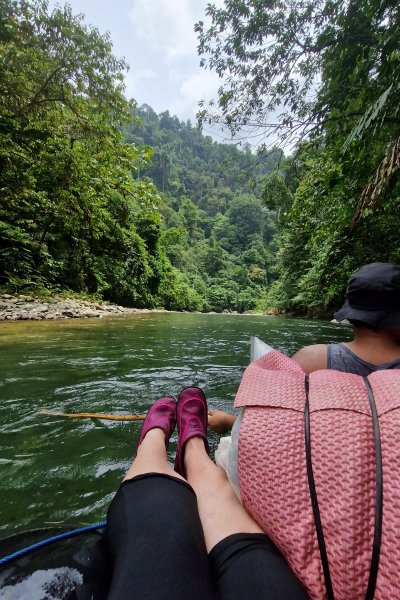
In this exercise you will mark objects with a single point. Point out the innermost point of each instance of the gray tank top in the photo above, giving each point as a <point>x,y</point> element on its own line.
<point>342,358</point>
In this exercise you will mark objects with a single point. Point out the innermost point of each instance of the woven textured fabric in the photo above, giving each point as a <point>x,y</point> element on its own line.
<point>273,475</point>
<point>386,388</point>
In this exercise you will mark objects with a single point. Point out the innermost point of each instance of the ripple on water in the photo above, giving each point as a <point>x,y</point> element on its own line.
<point>56,469</point>
<point>106,467</point>
<point>44,584</point>
<point>93,361</point>
<point>95,506</point>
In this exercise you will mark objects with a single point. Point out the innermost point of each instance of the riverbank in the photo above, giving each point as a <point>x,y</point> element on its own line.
<point>25,307</point>
<point>19,307</point>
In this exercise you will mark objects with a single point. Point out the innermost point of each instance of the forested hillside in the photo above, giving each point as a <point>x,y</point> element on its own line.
<point>323,75</point>
<point>216,230</point>
<point>98,196</point>
<point>70,197</point>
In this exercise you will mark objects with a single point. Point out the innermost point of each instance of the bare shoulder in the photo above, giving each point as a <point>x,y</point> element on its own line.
<point>312,358</point>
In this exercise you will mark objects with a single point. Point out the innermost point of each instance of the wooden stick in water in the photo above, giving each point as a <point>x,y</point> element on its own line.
<point>93,416</point>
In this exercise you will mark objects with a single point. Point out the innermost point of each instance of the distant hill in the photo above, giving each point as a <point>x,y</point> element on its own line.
<point>216,232</point>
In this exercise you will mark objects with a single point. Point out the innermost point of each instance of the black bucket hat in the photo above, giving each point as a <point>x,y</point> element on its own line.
<point>373,296</point>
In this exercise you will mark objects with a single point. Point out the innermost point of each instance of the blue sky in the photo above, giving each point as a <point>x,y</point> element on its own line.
<point>158,41</point>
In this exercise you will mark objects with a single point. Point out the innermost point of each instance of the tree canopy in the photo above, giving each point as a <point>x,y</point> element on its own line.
<point>102,196</point>
<point>70,203</point>
<point>298,66</point>
<point>217,232</point>
<point>323,76</point>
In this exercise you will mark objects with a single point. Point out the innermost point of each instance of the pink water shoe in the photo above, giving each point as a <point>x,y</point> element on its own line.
<point>191,417</point>
<point>162,415</point>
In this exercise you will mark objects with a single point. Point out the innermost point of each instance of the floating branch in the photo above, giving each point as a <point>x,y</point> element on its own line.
<point>93,416</point>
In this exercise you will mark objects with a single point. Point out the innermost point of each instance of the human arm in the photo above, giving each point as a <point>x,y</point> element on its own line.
<point>312,358</point>
<point>220,421</point>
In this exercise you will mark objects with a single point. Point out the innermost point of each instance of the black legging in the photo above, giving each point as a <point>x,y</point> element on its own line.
<point>156,544</point>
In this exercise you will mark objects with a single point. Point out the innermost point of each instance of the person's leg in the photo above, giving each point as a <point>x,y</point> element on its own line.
<point>250,566</point>
<point>215,495</point>
<point>221,512</point>
<point>151,457</point>
<point>154,535</point>
<point>245,563</point>
<point>156,542</point>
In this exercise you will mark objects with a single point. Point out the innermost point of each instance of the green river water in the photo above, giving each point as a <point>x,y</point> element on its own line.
<point>63,471</point>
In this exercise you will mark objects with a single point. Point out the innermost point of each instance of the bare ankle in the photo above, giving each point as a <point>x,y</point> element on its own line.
<point>195,454</point>
<point>195,445</point>
<point>154,438</point>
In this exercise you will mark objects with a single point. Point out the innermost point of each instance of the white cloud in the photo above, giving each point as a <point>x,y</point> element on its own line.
<point>158,40</point>
<point>202,85</point>
<point>167,25</point>
<point>135,80</point>
<point>164,32</point>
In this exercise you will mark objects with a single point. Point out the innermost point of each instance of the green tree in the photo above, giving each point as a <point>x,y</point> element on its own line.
<point>246,214</point>
<point>326,71</point>
<point>314,62</point>
<point>71,212</point>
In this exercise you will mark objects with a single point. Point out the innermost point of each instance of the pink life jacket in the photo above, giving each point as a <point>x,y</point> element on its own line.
<point>319,470</point>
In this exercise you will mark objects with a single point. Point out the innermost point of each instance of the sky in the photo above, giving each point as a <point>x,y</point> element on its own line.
<point>157,39</point>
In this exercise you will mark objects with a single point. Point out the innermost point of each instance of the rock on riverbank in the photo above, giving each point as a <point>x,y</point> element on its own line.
<point>20,307</point>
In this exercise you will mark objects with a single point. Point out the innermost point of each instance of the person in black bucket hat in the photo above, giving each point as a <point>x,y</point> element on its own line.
<point>373,296</point>
<point>372,307</point>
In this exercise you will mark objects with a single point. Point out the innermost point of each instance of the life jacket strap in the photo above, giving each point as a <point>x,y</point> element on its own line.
<point>376,548</point>
<point>313,496</point>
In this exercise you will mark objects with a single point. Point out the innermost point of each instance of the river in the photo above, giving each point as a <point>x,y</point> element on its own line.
<point>65,471</point>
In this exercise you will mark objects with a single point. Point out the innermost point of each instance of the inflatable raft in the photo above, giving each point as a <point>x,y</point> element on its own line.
<point>57,564</point>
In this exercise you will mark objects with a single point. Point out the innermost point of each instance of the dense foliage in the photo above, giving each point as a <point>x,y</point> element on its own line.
<point>101,196</point>
<point>86,205</point>
<point>70,202</point>
<point>326,75</point>
<point>216,231</point>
